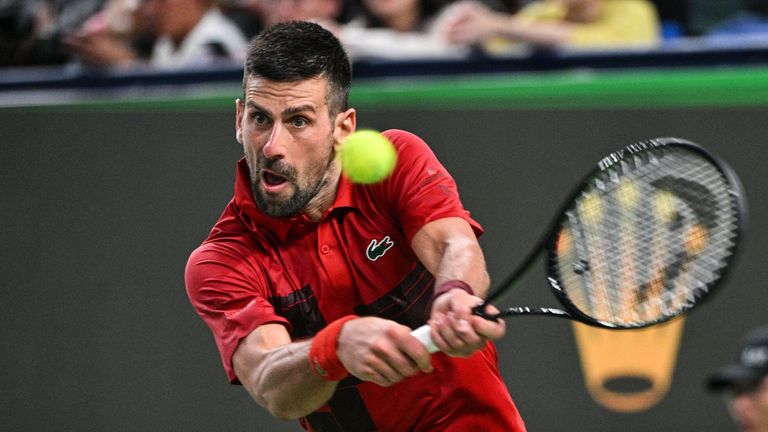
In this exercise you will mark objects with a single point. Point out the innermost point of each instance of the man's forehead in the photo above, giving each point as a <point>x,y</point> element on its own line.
<point>256,81</point>
<point>313,90</point>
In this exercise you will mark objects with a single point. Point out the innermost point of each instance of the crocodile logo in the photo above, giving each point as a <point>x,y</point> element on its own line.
<point>377,249</point>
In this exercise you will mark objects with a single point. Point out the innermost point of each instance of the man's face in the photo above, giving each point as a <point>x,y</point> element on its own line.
<point>288,138</point>
<point>750,408</point>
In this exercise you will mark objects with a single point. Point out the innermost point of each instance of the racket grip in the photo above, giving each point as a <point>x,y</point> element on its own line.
<point>422,334</point>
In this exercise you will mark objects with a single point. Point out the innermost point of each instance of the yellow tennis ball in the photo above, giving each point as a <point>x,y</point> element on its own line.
<point>367,157</point>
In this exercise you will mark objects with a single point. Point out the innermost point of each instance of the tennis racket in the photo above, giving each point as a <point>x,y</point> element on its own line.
<point>645,237</point>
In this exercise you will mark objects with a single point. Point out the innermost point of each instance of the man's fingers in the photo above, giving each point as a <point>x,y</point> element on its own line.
<point>487,328</point>
<point>409,355</point>
<point>416,353</point>
<point>456,336</point>
<point>394,357</point>
<point>378,371</point>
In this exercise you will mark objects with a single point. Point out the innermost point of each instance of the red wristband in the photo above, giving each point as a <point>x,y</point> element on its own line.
<point>323,359</point>
<point>444,288</point>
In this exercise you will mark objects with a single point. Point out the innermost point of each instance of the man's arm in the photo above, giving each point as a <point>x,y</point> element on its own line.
<point>449,249</point>
<point>277,375</point>
<point>276,371</point>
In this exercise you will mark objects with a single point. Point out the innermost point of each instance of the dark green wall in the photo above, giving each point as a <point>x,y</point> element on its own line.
<point>100,210</point>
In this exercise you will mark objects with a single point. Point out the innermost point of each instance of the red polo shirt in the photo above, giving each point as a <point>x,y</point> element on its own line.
<point>254,269</point>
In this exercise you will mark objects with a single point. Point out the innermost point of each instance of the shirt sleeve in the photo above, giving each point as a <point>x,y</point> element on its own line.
<point>224,288</point>
<point>421,188</point>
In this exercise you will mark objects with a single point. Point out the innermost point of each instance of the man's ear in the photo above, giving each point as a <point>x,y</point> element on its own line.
<point>239,108</point>
<point>346,123</point>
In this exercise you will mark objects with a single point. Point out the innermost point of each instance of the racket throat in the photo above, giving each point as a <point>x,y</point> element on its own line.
<point>480,310</point>
<point>521,310</point>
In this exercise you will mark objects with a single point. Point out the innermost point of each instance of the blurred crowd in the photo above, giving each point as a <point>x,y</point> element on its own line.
<point>172,34</point>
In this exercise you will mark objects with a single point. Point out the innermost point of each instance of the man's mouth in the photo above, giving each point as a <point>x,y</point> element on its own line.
<point>272,182</point>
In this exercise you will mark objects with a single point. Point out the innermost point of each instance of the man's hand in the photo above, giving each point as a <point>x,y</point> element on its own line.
<point>381,351</point>
<point>455,330</point>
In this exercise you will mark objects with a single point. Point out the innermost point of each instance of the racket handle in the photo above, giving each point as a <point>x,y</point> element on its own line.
<point>422,334</point>
<point>479,310</point>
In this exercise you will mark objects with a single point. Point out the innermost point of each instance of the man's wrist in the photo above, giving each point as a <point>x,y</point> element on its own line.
<point>323,357</point>
<point>445,287</point>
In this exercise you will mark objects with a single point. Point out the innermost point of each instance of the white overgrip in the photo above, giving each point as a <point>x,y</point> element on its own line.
<point>422,334</point>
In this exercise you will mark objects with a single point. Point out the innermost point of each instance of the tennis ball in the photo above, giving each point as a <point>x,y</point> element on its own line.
<point>367,157</point>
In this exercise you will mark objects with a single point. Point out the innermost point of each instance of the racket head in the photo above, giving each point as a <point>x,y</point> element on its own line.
<point>647,235</point>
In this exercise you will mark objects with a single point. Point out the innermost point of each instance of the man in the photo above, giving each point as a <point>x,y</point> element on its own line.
<point>191,33</point>
<point>311,284</point>
<point>746,383</point>
<point>184,34</point>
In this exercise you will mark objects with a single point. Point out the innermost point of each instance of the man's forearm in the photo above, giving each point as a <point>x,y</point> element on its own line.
<point>449,249</point>
<point>283,383</point>
<point>464,261</point>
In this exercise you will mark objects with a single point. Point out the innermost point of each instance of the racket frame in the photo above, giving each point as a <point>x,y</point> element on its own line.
<point>546,245</point>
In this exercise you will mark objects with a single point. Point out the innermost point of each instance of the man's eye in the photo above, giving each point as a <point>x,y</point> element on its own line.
<point>260,119</point>
<point>299,122</point>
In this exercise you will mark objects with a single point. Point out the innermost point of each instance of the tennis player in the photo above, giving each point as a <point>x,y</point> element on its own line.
<point>311,284</point>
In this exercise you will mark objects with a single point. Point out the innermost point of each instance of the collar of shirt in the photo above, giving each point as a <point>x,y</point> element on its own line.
<point>256,220</point>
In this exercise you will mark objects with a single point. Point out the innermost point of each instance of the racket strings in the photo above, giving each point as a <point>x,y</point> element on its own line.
<point>646,238</point>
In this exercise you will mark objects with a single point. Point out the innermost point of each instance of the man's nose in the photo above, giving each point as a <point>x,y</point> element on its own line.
<point>275,147</point>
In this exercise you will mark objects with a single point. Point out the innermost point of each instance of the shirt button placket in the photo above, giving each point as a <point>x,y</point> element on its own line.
<point>339,279</point>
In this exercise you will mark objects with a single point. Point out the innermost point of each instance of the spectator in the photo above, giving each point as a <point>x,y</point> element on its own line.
<point>246,14</point>
<point>558,23</point>
<point>746,381</point>
<point>277,11</point>
<point>191,32</point>
<point>115,37</point>
<point>186,33</point>
<point>254,15</point>
<point>398,30</point>
<point>31,31</point>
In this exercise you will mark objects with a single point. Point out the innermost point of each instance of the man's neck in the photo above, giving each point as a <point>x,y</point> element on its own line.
<point>324,199</point>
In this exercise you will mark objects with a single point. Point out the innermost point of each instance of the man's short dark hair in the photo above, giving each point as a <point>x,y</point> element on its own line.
<point>298,50</point>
